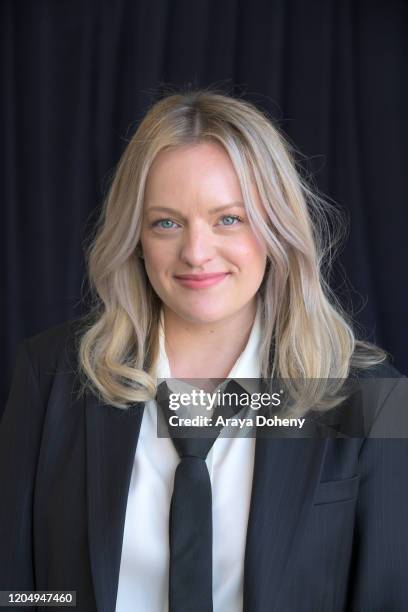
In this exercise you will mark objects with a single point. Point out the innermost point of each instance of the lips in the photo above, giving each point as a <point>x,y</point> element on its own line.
<point>200,281</point>
<point>200,277</point>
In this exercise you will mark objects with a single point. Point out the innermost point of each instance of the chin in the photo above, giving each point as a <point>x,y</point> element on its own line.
<point>205,314</point>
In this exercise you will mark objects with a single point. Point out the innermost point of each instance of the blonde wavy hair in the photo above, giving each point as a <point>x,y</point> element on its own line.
<point>306,335</point>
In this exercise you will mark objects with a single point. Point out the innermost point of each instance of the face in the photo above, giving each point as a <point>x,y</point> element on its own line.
<point>200,253</point>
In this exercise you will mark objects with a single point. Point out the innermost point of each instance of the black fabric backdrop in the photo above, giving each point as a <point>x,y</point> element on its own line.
<point>79,75</point>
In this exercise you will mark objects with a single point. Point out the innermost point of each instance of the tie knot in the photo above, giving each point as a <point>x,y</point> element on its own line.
<point>196,441</point>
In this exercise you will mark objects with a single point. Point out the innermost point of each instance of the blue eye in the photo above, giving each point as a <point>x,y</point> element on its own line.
<point>167,221</point>
<point>233,217</point>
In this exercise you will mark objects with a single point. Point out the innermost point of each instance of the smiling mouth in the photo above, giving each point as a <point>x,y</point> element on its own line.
<point>203,276</point>
<point>197,281</point>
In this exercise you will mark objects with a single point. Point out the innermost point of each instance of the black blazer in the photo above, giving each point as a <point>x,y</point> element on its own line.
<point>328,521</point>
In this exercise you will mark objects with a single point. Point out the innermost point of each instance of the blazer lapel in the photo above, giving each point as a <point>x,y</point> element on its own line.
<point>111,439</point>
<point>286,471</point>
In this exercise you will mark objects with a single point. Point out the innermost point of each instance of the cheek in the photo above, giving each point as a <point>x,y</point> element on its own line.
<point>249,252</point>
<point>153,261</point>
<point>159,263</point>
<point>154,254</point>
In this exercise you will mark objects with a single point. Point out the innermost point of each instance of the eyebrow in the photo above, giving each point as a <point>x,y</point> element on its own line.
<point>212,211</point>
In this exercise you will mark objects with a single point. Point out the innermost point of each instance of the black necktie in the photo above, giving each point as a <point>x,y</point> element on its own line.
<point>190,522</point>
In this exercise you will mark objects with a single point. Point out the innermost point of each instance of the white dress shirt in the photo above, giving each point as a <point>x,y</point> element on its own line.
<point>144,569</point>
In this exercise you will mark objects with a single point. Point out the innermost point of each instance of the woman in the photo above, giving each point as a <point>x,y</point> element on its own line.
<point>207,263</point>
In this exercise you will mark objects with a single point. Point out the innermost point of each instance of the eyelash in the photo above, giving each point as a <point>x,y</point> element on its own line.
<point>236,217</point>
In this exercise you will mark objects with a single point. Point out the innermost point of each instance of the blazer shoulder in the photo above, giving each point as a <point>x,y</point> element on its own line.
<point>52,338</point>
<point>385,369</point>
<point>382,400</point>
<point>368,391</point>
<point>55,348</point>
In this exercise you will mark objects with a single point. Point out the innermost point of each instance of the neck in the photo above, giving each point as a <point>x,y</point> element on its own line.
<point>193,349</point>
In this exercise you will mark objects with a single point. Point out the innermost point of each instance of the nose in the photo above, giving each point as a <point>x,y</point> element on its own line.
<point>198,245</point>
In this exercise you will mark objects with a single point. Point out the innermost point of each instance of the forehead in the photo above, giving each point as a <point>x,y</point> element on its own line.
<point>203,169</point>
<point>207,152</point>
